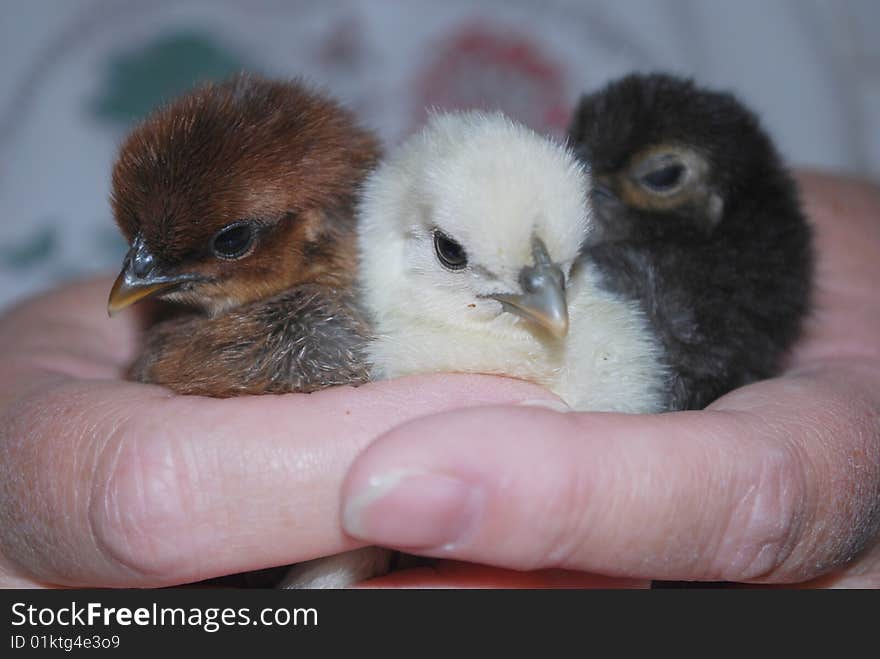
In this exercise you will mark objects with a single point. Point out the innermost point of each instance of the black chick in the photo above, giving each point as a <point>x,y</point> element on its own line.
<point>238,202</point>
<point>700,223</point>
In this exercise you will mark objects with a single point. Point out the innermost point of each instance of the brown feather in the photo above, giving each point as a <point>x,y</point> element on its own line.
<point>247,149</point>
<point>282,317</point>
<point>302,340</point>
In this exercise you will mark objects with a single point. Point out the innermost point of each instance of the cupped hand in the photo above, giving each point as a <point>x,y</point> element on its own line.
<point>105,482</point>
<point>777,482</point>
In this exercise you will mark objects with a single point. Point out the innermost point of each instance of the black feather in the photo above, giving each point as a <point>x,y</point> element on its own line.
<point>726,296</point>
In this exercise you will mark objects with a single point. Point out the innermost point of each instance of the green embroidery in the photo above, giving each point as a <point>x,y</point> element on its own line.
<point>136,81</point>
<point>36,248</point>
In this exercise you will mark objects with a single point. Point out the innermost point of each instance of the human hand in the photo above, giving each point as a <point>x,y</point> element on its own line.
<point>105,482</point>
<point>776,482</point>
<point>77,526</point>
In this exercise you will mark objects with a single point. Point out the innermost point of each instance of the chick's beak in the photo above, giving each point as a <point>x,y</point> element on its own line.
<point>140,278</point>
<point>543,298</point>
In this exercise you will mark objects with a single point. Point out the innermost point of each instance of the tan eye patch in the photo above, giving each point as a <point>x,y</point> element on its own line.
<point>664,177</point>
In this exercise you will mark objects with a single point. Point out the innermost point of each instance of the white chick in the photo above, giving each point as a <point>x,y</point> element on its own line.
<point>469,240</point>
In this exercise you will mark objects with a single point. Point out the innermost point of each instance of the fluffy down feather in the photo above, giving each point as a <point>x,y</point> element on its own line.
<point>492,186</point>
<point>698,221</point>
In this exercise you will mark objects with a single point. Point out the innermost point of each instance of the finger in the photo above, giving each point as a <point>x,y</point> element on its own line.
<point>760,488</point>
<point>68,330</point>
<point>455,574</point>
<point>120,484</point>
<point>846,317</point>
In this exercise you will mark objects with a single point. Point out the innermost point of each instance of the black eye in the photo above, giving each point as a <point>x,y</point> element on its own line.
<point>665,178</point>
<point>233,241</point>
<point>450,253</point>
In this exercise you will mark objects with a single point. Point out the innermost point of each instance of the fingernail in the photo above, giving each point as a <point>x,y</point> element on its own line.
<point>412,509</point>
<point>547,403</point>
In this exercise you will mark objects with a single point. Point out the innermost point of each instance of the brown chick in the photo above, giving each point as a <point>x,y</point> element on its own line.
<point>238,202</point>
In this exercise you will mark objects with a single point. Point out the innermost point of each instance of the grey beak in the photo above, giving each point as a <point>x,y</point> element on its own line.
<point>543,298</point>
<point>140,278</point>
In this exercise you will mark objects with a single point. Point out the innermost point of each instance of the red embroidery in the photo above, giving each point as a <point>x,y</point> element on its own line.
<point>491,67</point>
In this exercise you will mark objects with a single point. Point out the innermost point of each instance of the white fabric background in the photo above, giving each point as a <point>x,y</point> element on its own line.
<point>810,68</point>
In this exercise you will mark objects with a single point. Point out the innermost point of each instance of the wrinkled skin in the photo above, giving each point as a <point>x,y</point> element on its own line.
<point>777,482</point>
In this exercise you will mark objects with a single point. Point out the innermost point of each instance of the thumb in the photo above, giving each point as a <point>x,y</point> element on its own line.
<point>721,494</point>
<point>528,489</point>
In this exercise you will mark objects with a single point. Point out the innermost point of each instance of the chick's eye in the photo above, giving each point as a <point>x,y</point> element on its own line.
<point>449,252</point>
<point>664,179</point>
<point>233,241</point>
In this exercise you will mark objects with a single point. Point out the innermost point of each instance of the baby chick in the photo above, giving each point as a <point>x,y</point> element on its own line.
<point>480,252</point>
<point>470,240</point>
<point>238,201</point>
<point>699,222</point>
